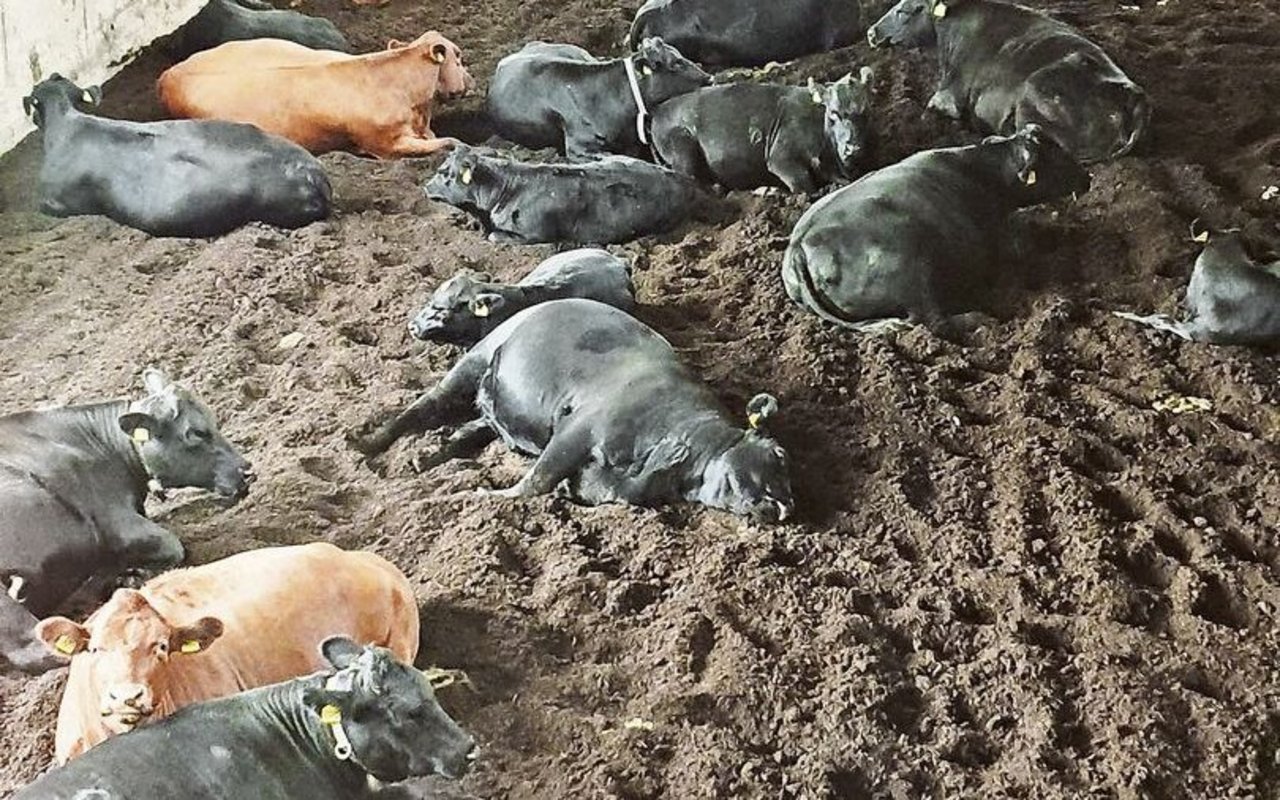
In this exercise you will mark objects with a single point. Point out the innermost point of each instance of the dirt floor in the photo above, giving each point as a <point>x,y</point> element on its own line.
<point>1011,575</point>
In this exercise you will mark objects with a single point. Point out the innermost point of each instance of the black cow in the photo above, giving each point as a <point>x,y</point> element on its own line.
<point>466,308</point>
<point>614,199</point>
<point>748,33</point>
<point>341,735</point>
<point>224,21</point>
<point>176,178</point>
<point>558,95</point>
<point>921,237</point>
<point>1230,299</point>
<point>72,486</point>
<point>606,406</point>
<point>1006,66</point>
<point>744,135</point>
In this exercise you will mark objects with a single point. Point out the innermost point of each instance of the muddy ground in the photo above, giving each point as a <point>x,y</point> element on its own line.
<point>1011,575</point>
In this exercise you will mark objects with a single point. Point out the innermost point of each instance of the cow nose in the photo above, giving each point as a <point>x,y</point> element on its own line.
<point>126,693</point>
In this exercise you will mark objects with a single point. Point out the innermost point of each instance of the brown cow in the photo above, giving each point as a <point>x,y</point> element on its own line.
<point>378,103</point>
<point>196,634</point>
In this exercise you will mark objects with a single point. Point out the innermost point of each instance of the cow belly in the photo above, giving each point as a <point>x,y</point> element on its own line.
<point>236,98</point>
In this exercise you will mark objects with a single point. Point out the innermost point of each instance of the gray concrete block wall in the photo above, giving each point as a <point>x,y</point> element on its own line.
<point>85,40</point>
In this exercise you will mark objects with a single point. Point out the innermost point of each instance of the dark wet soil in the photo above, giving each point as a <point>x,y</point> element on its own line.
<point>1011,576</point>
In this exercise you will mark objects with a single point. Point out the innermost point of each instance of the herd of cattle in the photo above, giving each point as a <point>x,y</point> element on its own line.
<point>555,365</point>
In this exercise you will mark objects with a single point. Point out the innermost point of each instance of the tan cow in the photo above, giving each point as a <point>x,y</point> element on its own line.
<point>378,103</point>
<point>196,634</point>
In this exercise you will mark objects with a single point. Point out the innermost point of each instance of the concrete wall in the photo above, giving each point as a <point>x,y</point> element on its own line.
<point>88,41</point>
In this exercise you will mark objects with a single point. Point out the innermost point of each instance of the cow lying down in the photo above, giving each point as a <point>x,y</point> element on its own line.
<point>921,238</point>
<point>223,21</point>
<point>615,199</point>
<point>376,103</point>
<point>745,135</point>
<point>1230,299</point>
<point>1006,66</point>
<point>169,178</point>
<point>559,95</point>
<point>370,718</point>
<point>73,482</point>
<point>243,622</point>
<point>605,405</point>
<point>467,307</point>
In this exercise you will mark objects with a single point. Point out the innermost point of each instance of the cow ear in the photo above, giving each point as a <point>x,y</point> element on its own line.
<point>439,52</point>
<point>140,427</point>
<point>327,703</point>
<point>396,44</point>
<point>62,636</point>
<point>483,304</point>
<point>760,409</point>
<point>31,107</point>
<point>155,381</point>
<point>194,638</point>
<point>340,651</point>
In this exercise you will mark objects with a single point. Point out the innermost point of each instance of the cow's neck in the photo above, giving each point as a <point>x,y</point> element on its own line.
<point>96,429</point>
<point>714,436</point>
<point>417,84</point>
<point>55,115</point>
<point>281,706</point>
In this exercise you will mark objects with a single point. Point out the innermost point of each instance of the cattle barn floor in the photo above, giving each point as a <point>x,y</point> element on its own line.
<point>1012,576</point>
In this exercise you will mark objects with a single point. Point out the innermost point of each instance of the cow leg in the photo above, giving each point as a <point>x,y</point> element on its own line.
<point>563,456</point>
<point>467,440</point>
<point>142,543</point>
<point>945,102</point>
<point>19,646</point>
<point>452,398</point>
<point>413,145</point>
<point>681,152</point>
<point>794,174</point>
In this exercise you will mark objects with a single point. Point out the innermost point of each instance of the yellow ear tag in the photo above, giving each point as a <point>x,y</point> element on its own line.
<point>466,175</point>
<point>64,645</point>
<point>331,715</point>
<point>1201,237</point>
<point>141,435</point>
<point>87,96</point>
<point>190,647</point>
<point>480,310</point>
<point>940,10</point>
<point>817,98</point>
<point>1031,178</point>
<point>753,420</point>
<point>646,70</point>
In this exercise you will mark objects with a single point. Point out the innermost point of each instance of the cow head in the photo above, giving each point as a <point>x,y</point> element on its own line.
<point>463,179</point>
<point>910,23</point>
<point>57,92</point>
<point>1093,115</point>
<point>432,46</point>
<point>844,118</point>
<point>1038,166</point>
<point>125,653</point>
<point>178,440</point>
<point>461,311</point>
<point>663,73</point>
<point>751,477</point>
<point>384,716</point>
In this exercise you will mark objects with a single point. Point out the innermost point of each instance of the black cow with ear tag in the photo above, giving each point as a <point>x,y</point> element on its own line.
<point>345,734</point>
<point>609,411</point>
<point>73,482</point>
<point>920,239</point>
<point>1005,66</point>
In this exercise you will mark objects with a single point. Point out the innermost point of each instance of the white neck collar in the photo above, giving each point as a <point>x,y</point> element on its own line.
<point>643,112</point>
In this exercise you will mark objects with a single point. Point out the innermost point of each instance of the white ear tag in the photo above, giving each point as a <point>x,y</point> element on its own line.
<point>87,97</point>
<point>645,69</point>
<point>466,175</point>
<point>940,10</point>
<point>141,435</point>
<point>817,97</point>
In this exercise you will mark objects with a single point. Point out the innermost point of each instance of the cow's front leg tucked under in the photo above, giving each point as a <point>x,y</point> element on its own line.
<point>142,543</point>
<point>411,144</point>
<point>465,442</point>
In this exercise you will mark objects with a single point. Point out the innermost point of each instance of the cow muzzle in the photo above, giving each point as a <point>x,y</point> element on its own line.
<point>126,705</point>
<point>422,328</point>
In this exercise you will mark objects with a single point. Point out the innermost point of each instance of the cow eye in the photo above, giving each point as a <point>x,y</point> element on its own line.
<point>200,434</point>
